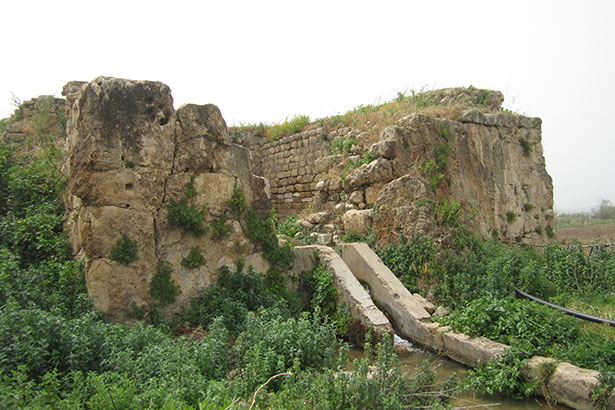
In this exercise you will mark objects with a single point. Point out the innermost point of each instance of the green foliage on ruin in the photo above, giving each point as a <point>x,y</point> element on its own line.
<point>194,259</point>
<point>124,251</point>
<point>261,231</point>
<point>237,203</point>
<point>161,287</point>
<point>220,229</point>
<point>187,216</point>
<point>526,146</point>
<point>288,127</point>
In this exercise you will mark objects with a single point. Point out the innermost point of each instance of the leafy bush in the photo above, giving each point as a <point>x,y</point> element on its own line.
<point>520,323</point>
<point>237,203</point>
<point>288,227</point>
<point>526,146</point>
<point>219,228</point>
<point>232,296</point>
<point>124,251</point>
<point>321,289</point>
<point>410,261</point>
<point>261,231</point>
<point>503,376</point>
<point>272,342</point>
<point>511,216</point>
<point>187,216</point>
<point>161,287</point>
<point>194,259</point>
<point>375,382</point>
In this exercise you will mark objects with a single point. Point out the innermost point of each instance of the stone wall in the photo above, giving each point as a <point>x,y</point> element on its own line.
<point>490,165</point>
<point>289,165</point>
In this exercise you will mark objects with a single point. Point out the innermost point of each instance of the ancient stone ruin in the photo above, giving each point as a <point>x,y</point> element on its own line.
<point>131,158</point>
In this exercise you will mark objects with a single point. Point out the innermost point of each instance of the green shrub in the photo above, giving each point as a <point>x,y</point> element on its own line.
<point>288,227</point>
<point>375,382</point>
<point>526,146</point>
<point>237,203</point>
<point>161,287</point>
<point>194,259</point>
<point>124,251</point>
<point>410,261</point>
<point>549,231</point>
<point>219,228</point>
<point>232,296</point>
<point>449,213</point>
<point>187,216</point>
<point>503,376</point>
<point>321,288</point>
<point>272,343</point>
<point>516,322</point>
<point>261,231</point>
<point>528,207</point>
<point>511,216</point>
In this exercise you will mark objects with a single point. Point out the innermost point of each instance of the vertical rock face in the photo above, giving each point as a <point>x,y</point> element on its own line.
<point>131,155</point>
<point>491,165</point>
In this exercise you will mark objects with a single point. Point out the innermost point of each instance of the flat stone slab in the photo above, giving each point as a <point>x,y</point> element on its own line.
<point>405,311</point>
<point>471,350</point>
<point>350,290</point>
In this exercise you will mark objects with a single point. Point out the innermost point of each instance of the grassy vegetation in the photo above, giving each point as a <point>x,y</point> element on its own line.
<point>372,118</point>
<point>602,214</point>
<point>477,278</point>
<point>57,351</point>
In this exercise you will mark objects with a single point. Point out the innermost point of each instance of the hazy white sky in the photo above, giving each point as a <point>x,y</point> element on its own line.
<point>263,61</point>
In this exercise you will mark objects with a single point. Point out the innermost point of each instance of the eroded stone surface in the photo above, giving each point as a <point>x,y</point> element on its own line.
<point>129,155</point>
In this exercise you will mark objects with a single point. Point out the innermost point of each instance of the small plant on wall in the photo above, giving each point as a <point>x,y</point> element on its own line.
<point>187,216</point>
<point>161,287</point>
<point>194,259</point>
<point>124,251</point>
<point>237,203</point>
<point>219,228</point>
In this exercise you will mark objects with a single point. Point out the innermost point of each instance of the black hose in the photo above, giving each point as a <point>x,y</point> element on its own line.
<point>567,311</point>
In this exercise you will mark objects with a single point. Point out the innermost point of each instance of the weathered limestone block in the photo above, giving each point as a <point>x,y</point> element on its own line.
<point>573,386</point>
<point>471,350</point>
<point>371,193</point>
<point>357,197</point>
<point>403,208</point>
<point>383,149</point>
<point>129,155</point>
<point>377,171</point>
<point>427,305</point>
<point>358,221</point>
<point>319,217</point>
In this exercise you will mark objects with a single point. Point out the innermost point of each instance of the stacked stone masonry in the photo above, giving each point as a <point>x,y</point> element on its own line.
<point>288,164</point>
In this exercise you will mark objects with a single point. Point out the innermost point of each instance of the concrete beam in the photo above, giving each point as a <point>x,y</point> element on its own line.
<point>388,292</point>
<point>349,289</point>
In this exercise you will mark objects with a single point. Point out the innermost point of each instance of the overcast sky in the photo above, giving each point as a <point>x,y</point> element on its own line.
<point>263,61</point>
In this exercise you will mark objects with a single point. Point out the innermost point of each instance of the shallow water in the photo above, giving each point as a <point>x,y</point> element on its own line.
<point>446,367</point>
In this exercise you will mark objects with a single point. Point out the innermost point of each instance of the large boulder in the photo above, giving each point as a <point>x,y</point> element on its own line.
<point>403,206</point>
<point>130,156</point>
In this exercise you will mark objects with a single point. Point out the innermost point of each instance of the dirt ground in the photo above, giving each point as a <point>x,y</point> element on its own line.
<point>588,235</point>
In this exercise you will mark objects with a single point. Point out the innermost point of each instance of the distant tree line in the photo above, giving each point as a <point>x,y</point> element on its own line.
<point>604,210</point>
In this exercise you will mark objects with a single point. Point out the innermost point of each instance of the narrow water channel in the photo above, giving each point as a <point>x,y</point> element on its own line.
<point>446,367</point>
